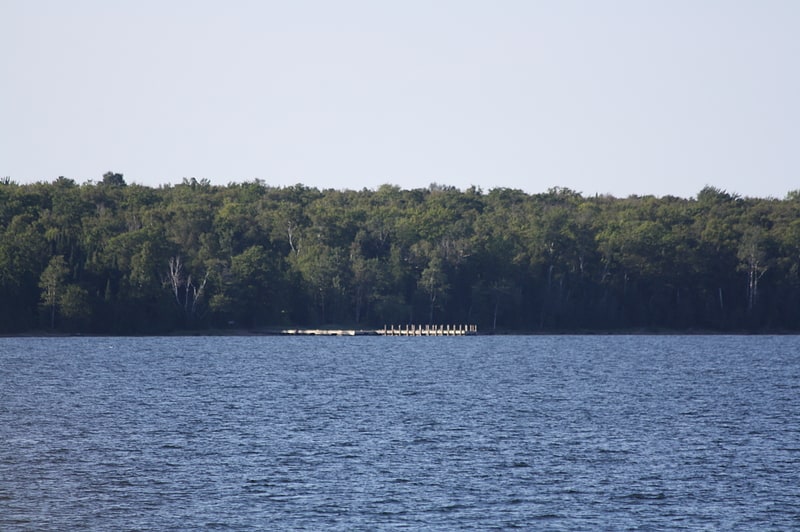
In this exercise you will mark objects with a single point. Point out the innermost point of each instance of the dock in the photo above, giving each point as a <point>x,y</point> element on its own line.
<point>429,330</point>
<point>390,330</point>
<point>327,332</point>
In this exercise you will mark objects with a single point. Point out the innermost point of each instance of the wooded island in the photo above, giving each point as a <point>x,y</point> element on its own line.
<point>117,258</point>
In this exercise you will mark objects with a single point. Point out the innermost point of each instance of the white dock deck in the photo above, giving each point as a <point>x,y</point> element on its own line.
<point>391,330</point>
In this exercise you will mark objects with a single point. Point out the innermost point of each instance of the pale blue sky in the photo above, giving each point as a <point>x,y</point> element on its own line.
<point>620,97</point>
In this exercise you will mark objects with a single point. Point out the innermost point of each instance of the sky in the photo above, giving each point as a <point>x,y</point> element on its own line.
<point>617,97</point>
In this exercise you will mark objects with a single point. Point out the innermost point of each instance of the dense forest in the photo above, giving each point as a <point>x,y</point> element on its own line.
<point>115,258</point>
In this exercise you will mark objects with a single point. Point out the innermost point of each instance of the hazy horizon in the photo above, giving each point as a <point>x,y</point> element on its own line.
<point>613,97</point>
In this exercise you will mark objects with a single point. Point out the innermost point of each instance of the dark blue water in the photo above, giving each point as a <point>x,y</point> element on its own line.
<point>557,433</point>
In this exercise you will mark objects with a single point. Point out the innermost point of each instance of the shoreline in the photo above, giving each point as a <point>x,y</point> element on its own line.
<point>339,332</point>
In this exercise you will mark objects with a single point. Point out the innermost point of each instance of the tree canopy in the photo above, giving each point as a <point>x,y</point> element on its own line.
<point>118,258</point>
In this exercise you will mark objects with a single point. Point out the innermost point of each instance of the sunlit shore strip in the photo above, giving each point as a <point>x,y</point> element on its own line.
<point>391,330</point>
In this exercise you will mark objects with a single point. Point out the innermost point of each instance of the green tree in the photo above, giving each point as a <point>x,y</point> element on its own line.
<point>433,281</point>
<point>252,277</point>
<point>324,271</point>
<point>113,179</point>
<point>74,305</point>
<point>52,283</point>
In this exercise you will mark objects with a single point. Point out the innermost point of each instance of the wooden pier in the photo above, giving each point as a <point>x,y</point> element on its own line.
<point>326,332</point>
<point>428,330</point>
<point>390,330</point>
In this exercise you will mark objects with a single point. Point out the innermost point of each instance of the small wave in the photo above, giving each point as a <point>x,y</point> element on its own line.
<point>614,451</point>
<point>645,496</point>
<point>452,508</point>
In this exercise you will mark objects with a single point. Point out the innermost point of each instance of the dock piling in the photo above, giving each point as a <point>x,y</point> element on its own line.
<point>412,329</point>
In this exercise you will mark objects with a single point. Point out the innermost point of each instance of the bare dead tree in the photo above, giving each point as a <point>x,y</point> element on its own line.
<point>175,277</point>
<point>197,292</point>
<point>290,227</point>
<point>187,293</point>
<point>752,254</point>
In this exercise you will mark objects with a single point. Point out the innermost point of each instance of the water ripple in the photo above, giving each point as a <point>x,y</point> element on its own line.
<point>561,433</point>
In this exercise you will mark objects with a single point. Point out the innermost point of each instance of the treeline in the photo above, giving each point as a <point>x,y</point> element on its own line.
<point>109,257</point>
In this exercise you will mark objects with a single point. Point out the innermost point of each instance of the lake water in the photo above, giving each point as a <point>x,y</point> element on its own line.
<point>365,433</point>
